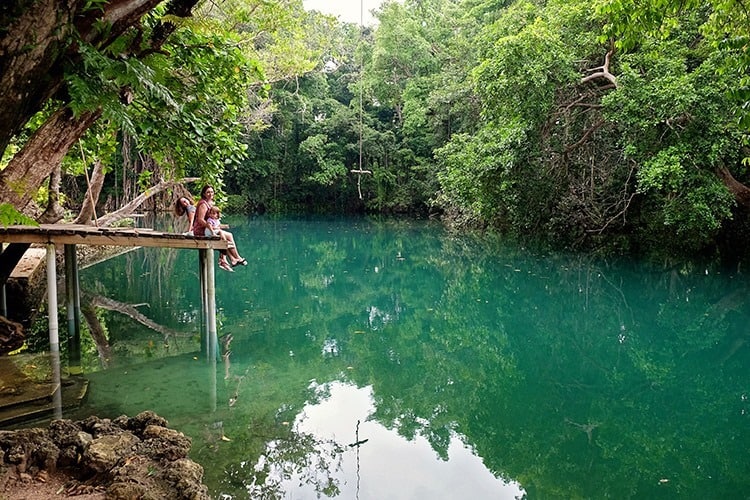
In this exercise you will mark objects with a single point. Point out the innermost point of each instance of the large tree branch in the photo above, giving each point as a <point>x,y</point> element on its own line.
<point>602,72</point>
<point>740,191</point>
<point>88,210</point>
<point>132,312</point>
<point>97,333</point>
<point>45,150</point>
<point>128,209</point>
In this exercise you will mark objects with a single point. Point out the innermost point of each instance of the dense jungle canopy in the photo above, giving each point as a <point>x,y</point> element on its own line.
<point>610,124</point>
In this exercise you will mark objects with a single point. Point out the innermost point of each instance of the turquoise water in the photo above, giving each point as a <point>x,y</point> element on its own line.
<point>391,359</point>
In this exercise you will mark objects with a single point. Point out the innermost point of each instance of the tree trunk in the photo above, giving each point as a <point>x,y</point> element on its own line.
<point>88,210</point>
<point>35,44</point>
<point>33,37</point>
<point>37,38</point>
<point>45,149</point>
<point>97,334</point>
<point>54,212</point>
<point>9,258</point>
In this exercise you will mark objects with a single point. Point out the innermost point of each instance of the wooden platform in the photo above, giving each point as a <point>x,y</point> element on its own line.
<point>29,263</point>
<point>38,399</point>
<point>74,234</point>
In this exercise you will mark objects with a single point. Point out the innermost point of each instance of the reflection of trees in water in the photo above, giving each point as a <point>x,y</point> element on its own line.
<point>556,369</point>
<point>309,461</point>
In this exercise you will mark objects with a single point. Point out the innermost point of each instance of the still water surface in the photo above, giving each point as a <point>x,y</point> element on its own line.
<point>390,359</point>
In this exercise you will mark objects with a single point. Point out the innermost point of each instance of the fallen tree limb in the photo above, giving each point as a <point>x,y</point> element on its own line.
<point>128,209</point>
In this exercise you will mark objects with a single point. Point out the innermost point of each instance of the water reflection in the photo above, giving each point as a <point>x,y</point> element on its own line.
<point>550,375</point>
<point>363,459</point>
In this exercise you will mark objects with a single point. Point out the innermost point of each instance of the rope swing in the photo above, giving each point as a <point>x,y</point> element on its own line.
<point>360,171</point>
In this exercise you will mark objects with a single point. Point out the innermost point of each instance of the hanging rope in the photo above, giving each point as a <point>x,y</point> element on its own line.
<point>360,171</point>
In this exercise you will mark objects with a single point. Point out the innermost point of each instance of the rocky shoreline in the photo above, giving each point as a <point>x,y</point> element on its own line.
<point>122,458</point>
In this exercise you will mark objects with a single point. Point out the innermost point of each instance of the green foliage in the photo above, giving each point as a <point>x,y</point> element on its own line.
<point>694,202</point>
<point>674,113</point>
<point>495,112</point>
<point>480,174</point>
<point>9,216</point>
<point>521,72</point>
<point>724,26</point>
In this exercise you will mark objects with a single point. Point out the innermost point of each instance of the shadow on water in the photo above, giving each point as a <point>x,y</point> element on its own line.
<point>389,359</point>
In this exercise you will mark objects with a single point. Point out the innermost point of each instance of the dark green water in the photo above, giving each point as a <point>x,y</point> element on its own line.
<point>470,369</point>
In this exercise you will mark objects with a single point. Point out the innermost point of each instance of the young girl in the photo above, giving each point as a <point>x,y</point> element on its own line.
<point>200,226</point>
<point>213,219</point>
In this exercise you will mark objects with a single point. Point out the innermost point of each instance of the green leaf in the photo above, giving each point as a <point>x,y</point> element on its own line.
<point>9,216</point>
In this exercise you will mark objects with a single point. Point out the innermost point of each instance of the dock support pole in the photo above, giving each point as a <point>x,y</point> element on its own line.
<point>209,335</point>
<point>202,270</point>
<point>73,302</point>
<point>54,334</point>
<point>213,340</point>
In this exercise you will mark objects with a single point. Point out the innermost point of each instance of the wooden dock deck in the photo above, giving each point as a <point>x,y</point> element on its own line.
<point>69,236</point>
<point>76,234</point>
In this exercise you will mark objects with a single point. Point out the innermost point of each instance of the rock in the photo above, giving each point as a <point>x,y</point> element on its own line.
<point>186,477</point>
<point>105,452</point>
<point>29,449</point>
<point>71,440</point>
<point>144,419</point>
<point>129,458</point>
<point>163,443</point>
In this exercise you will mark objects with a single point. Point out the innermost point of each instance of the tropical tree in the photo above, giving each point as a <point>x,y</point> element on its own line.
<point>37,58</point>
<point>183,90</point>
<point>587,138</point>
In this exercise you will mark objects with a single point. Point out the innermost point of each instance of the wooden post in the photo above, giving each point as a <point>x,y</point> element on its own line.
<point>73,306</point>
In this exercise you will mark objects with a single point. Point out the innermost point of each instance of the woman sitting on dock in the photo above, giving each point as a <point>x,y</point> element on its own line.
<point>200,226</point>
<point>184,206</point>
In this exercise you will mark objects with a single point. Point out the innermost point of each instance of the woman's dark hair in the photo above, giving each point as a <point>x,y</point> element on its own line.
<point>179,210</point>
<point>206,188</point>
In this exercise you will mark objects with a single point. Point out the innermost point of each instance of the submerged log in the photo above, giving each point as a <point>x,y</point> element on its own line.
<point>97,334</point>
<point>132,312</point>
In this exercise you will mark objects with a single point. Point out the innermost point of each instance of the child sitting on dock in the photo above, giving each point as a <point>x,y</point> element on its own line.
<point>213,218</point>
<point>201,227</point>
